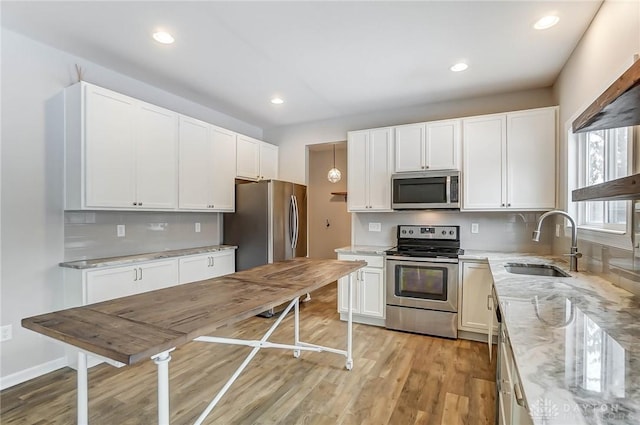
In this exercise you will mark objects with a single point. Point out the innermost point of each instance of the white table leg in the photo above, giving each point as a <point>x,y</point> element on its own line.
<point>349,364</point>
<point>83,391</point>
<point>162,360</point>
<point>296,327</point>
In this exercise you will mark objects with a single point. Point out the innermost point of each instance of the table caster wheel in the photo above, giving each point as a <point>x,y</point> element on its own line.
<point>349,364</point>
<point>296,353</point>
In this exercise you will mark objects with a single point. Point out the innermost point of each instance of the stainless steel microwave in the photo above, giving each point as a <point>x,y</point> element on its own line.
<point>426,190</point>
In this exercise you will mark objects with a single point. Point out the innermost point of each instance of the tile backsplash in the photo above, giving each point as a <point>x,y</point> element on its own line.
<point>93,234</point>
<point>497,231</point>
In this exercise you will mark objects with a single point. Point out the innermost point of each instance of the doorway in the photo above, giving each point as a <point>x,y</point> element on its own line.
<point>329,222</point>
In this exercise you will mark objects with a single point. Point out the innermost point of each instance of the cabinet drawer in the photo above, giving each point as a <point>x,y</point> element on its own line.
<point>206,266</point>
<point>372,260</point>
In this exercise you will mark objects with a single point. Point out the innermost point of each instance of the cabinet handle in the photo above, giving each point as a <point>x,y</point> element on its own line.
<point>426,166</point>
<point>508,205</point>
<point>135,203</point>
<point>140,272</point>
<point>213,261</point>
<point>502,205</point>
<point>518,393</point>
<point>136,271</point>
<point>140,203</point>
<point>488,302</point>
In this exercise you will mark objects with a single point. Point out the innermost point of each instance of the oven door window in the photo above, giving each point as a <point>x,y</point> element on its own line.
<point>429,283</point>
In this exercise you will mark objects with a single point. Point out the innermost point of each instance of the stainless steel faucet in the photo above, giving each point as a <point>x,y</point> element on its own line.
<point>573,262</point>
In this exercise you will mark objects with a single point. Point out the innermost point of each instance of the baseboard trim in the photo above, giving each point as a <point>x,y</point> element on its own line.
<point>32,372</point>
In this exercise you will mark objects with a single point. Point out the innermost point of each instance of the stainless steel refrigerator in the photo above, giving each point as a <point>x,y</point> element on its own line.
<point>269,224</point>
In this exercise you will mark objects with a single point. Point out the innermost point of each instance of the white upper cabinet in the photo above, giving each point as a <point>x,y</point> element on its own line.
<point>207,166</point>
<point>268,161</point>
<point>156,158</point>
<point>509,161</point>
<point>256,160</point>
<point>120,152</point>
<point>443,145</point>
<point>224,166</point>
<point>197,168</point>
<point>427,146</point>
<point>370,168</point>
<point>531,159</point>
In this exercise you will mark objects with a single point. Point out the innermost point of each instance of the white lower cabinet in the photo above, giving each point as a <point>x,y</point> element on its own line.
<point>512,408</point>
<point>475,304</point>
<point>206,266</point>
<point>368,299</point>
<point>106,284</point>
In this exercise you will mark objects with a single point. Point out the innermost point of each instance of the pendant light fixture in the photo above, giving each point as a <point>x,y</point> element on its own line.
<point>334,175</point>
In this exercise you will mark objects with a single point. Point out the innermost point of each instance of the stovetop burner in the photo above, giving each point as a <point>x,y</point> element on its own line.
<point>428,242</point>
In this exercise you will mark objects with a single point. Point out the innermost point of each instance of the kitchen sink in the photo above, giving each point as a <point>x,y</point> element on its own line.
<point>536,269</point>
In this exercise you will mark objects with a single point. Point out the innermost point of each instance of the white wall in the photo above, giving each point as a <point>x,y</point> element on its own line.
<point>32,183</point>
<point>605,51</point>
<point>293,139</point>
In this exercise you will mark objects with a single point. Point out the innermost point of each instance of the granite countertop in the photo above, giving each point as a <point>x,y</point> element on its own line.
<point>363,249</point>
<point>132,259</point>
<point>575,340</point>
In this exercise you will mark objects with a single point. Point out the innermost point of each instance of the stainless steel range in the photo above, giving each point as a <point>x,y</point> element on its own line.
<point>422,280</point>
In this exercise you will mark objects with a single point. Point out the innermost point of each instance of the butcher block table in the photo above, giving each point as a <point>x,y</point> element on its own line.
<point>150,325</point>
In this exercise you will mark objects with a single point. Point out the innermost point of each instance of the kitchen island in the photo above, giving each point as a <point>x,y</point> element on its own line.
<point>575,343</point>
<point>128,330</point>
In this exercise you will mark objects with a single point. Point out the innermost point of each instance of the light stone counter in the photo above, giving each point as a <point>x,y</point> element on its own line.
<point>132,259</point>
<point>575,340</point>
<point>363,249</point>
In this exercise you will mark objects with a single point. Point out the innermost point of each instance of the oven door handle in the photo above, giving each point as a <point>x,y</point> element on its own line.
<point>423,259</point>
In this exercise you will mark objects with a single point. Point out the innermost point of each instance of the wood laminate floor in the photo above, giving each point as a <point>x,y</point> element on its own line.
<point>398,378</point>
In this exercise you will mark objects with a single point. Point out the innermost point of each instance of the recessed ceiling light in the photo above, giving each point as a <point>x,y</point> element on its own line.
<point>546,22</point>
<point>277,101</point>
<point>459,67</point>
<point>163,37</point>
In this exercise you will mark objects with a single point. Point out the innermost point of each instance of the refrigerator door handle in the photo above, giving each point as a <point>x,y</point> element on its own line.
<point>291,221</point>
<point>297,221</point>
<point>294,239</point>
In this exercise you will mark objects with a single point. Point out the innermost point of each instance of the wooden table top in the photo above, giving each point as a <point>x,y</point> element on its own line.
<point>134,328</point>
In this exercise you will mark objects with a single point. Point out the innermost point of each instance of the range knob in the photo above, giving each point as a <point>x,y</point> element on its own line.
<point>444,232</point>
<point>411,232</point>
<point>451,232</point>
<point>404,232</point>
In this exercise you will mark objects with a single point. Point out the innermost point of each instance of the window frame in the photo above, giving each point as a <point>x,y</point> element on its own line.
<point>617,235</point>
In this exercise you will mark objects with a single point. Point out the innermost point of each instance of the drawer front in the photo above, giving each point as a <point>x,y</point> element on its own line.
<point>206,266</point>
<point>372,260</point>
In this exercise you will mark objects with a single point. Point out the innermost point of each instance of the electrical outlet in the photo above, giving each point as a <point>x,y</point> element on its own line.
<point>475,228</point>
<point>6,333</point>
<point>120,230</point>
<point>375,227</point>
<point>197,227</point>
<point>557,230</point>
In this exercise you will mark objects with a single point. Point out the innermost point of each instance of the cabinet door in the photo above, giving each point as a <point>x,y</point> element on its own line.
<point>196,165</point>
<point>357,154</point>
<point>443,145</point>
<point>476,291</point>
<point>107,284</point>
<point>379,182</point>
<point>195,268</point>
<point>109,149</point>
<point>484,155</point>
<point>223,263</point>
<point>268,161</point>
<point>531,159</point>
<point>343,287</point>
<point>157,275</point>
<point>410,145</point>
<point>247,158</point>
<point>156,157</point>
<point>372,293</point>
<point>224,168</point>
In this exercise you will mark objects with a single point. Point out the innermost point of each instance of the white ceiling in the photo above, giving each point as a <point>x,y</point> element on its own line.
<point>326,59</point>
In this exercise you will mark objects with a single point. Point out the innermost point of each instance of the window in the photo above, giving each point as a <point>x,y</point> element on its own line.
<point>603,155</point>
